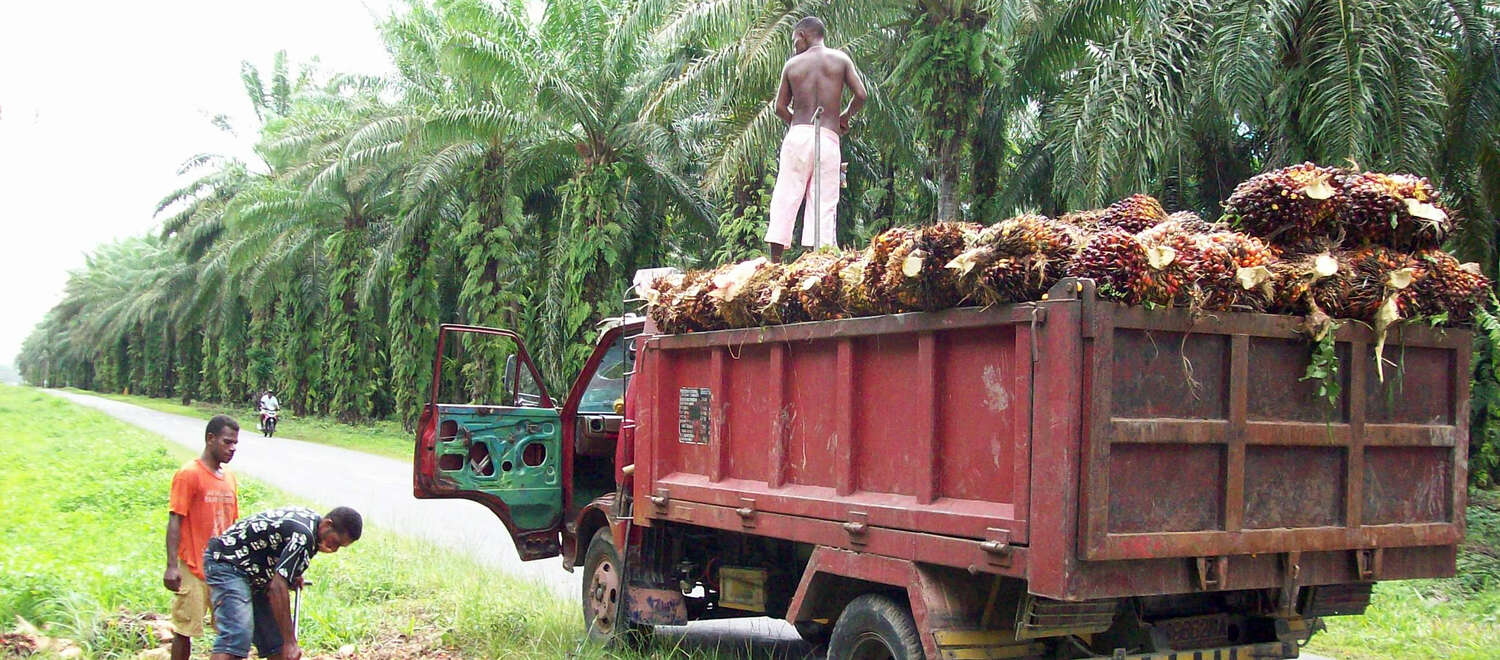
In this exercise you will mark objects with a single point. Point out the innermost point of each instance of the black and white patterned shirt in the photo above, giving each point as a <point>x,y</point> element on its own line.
<point>281,540</point>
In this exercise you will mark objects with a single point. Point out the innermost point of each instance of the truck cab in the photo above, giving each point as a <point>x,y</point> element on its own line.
<point>538,462</point>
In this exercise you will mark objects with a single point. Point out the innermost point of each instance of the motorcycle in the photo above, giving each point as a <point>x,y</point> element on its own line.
<point>268,422</point>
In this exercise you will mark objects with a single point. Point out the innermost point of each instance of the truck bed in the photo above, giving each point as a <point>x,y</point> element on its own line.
<point>1093,449</point>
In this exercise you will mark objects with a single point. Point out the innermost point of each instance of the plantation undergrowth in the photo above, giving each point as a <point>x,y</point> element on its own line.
<point>81,557</point>
<point>1457,617</point>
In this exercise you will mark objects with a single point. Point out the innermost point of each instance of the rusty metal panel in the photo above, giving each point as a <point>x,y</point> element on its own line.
<point>1256,464</point>
<point>1408,484</point>
<point>1294,487</point>
<point>1276,391</point>
<point>748,413</point>
<point>1138,503</point>
<point>1170,374</point>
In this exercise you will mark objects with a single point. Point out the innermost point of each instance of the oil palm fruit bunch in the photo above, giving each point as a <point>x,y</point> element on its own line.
<point>1013,279</point>
<point>1087,220</point>
<point>916,273</point>
<point>818,289</point>
<point>856,296</point>
<point>1030,234</point>
<point>659,295</point>
<point>1134,214</point>
<point>1173,261</point>
<point>1195,223</point>
<point>1443,286</point>
<point>778,303</point>
<point>1289,205</point>
<point>737,291</point>
<point>1396,210</point>
<point>1232,271</point>
<point>1115,259</point>
<point>1035,251</point>
<point>1376,271</point>
<point>1311,283</point>
<point>680,302</point>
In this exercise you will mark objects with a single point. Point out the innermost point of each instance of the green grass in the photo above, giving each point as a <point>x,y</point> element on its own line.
<point>383,438</point>
<point>81,554</point>
<point>1456,618</point>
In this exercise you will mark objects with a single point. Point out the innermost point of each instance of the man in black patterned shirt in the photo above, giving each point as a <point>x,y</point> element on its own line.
<point>252,567</point>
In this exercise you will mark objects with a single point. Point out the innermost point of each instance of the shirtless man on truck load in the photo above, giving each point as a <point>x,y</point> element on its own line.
<point>812,84</point>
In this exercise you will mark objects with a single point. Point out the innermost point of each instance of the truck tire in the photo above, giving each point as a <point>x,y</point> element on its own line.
<point>604,596</point>
<point>813,632</point>
<point>875,627</point>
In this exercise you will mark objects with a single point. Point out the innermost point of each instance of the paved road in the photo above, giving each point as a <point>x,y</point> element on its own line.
<point>380,488</point>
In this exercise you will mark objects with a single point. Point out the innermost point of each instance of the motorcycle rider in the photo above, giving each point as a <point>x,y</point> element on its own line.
<point>268,404</point>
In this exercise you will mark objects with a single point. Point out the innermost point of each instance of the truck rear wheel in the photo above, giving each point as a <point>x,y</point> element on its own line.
<point>875,627</point>
<point>604,594</point>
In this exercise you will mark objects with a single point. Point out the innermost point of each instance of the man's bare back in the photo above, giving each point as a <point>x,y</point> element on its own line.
<point>815,77</point>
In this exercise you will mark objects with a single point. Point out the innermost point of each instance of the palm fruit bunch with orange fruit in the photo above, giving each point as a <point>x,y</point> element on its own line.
<point>1396,210</point>
<point>916,276</point>
<point>1172,264</point>
<point>1288,206</point>
<point>1013,279</point>
<point>1116,260</point>
<point>1134,214</point>
<point>857,295</point>
<point>1311,282</point>
<point>1443,286</point>
<point>1232,271</point>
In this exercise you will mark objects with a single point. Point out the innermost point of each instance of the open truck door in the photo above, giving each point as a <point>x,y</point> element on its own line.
<point>506,457</point>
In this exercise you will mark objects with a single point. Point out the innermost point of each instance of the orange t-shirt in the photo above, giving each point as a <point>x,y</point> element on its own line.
<point>208,503</point>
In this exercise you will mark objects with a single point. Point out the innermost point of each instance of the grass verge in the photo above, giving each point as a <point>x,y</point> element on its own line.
<point>1456,617</point>
<point>81,551</point>
<point>382,438</point>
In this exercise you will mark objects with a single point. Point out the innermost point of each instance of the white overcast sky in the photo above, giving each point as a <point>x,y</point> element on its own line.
<point>102,100</point>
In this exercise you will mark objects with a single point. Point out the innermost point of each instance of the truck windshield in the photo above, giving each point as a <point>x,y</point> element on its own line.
<point>608,383</point>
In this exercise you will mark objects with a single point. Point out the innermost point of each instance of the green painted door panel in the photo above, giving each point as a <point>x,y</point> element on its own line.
<point>513,454</point>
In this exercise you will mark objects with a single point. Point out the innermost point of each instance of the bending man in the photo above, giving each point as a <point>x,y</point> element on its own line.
<point>252,568</point>
<point>812,84</point>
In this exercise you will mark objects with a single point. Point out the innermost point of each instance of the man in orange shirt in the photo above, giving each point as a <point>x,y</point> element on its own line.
<point>204,503</point>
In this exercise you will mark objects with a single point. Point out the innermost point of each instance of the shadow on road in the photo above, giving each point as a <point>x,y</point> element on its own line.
<point>739,639</point>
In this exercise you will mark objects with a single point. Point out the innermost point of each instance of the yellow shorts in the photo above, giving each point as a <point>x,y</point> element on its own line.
<point>190,606</point>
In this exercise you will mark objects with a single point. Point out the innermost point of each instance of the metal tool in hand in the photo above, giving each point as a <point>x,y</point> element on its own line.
<point>817,178</point>
<point>297,613</point>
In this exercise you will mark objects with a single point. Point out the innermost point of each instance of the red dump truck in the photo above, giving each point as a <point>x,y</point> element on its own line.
<point>1070,478</point>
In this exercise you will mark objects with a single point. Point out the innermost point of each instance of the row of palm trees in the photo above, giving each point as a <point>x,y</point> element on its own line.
<point>528,156</point>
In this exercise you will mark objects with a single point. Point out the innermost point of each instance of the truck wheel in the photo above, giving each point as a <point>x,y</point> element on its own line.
<point>604,594</point>
<point>875,627</point>
<point>813,632</point>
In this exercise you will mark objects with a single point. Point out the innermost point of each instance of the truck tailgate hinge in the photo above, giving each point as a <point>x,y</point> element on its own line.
<point>997,547</point>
